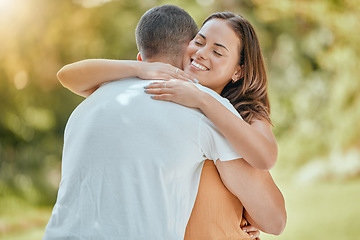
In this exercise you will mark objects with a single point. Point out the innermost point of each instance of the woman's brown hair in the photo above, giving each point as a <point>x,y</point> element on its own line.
<point>248,94</point>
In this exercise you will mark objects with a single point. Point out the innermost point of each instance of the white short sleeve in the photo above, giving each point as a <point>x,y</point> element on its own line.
<point>214,145</point>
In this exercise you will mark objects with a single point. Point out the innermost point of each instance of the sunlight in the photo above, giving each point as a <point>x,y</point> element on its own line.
<point>21,80</point>
<point>91,3</point>
<point>7,6</point>
<point>205,3</point>
<point>10,10</point>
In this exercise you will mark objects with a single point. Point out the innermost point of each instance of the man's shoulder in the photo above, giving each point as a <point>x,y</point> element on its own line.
<point>107,92</point>
<point>222,100</point>
<point>118,86</point>
<point>123,81</point>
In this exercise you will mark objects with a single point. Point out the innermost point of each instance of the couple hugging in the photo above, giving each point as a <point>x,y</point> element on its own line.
<point>176,145</point>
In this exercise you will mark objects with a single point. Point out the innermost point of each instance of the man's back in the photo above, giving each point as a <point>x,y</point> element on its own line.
<point>131,166</point>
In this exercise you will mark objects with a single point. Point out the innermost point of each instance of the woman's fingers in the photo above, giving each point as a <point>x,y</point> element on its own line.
<point>158,91</point>
<point>163,97</point>
<point>159,88</point>
<point>161,91</point>
<point>254,235</point>
<point>177,73</point>
<point>253,232</point>
<point>180,74</point>
<point>158,85</point>
<point>162,71</point>
<point>177,91</point>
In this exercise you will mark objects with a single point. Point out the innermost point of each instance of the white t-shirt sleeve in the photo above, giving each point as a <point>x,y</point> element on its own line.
<point>214,145</point>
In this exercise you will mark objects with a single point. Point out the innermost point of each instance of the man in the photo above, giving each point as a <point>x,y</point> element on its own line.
<point>131,165</point>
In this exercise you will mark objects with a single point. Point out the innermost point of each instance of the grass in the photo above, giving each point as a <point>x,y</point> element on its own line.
<point>327,210</point>
<point>19,220</point>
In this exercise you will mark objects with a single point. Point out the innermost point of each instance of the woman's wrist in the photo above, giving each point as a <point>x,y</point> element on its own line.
<point>204,101</point>
<point>135,68</point>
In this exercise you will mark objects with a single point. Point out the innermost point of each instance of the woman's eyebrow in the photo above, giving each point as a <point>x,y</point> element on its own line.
<point>202,36</point>
<point>220,45</point>
<point>217,44</point>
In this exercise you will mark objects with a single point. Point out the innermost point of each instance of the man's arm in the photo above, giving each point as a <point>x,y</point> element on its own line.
<point>262,199</point>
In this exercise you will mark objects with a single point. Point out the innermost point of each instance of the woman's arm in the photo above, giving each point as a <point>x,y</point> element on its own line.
<point>261,198</point>
<point>255,143</point>
<point>84,77</point>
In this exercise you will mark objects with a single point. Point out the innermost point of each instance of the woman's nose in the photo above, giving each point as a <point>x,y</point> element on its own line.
<point>202,53</point>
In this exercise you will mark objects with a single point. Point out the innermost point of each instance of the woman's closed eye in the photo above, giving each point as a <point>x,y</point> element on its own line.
<point>198,43</point>
<point>217,53</point>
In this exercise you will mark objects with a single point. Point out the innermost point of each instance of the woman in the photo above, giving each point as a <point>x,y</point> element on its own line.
<point>224,56</point>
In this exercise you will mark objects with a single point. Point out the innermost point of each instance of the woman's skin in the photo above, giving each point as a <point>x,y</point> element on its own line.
<point>212,58</point>
<point>213,55</point>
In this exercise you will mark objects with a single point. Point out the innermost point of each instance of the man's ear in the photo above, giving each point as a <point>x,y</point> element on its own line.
<point>138,57</point>
<point>239,73</point>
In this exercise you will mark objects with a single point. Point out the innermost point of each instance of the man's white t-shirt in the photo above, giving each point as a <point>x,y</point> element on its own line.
<point>131,165</point>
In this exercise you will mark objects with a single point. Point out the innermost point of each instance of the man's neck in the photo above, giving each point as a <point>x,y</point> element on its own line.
<point>168,60</point>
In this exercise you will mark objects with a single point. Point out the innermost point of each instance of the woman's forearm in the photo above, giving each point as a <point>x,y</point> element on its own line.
<point>84,77</point>
<point>255,143</point>
<point>263,201</point>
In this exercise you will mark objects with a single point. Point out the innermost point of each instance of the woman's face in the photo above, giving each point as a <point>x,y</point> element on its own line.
<point>212,57</point>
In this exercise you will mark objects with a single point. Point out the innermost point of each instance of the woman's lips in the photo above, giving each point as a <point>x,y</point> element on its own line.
<point>198,66</point>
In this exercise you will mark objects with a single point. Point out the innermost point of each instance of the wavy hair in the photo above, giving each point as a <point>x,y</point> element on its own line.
<point>248,94</point>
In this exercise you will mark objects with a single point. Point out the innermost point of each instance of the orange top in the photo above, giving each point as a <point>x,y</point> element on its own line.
<point>217,213</point>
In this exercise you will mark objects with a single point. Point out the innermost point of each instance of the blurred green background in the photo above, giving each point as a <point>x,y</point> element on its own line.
<point>312,52</point>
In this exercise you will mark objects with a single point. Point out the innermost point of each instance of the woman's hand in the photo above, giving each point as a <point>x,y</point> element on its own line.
<point>177,91</point>
<point>253,232</point>
<point>162,71</point>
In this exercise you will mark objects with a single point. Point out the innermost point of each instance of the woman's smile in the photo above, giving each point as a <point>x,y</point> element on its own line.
<point>198,66</point>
